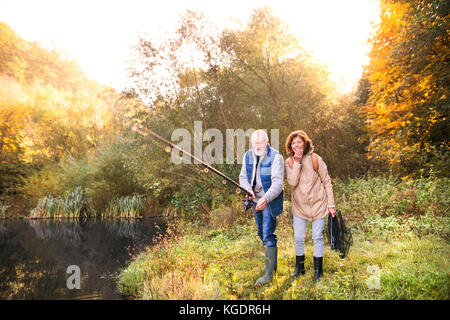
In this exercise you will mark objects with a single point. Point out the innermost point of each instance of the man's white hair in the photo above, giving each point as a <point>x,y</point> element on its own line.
<point>258,133</point>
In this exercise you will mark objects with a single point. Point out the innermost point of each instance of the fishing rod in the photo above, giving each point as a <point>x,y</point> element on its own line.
<point>145,131</point>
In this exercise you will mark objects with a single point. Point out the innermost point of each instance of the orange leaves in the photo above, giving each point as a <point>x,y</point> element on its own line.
<point>408,101</point>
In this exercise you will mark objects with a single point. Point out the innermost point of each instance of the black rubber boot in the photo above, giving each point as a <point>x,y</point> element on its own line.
<point>299,266</point>
<point>318,268</point>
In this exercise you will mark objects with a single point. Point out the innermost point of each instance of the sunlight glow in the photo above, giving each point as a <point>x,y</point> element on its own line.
<point>98,34</point>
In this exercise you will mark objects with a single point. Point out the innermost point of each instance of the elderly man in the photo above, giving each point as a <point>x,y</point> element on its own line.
<point>262,175</point>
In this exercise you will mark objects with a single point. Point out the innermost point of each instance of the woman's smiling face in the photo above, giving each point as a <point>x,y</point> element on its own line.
<point>297,144</point>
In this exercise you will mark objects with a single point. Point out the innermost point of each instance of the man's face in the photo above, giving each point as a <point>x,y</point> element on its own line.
<point>259,145</point>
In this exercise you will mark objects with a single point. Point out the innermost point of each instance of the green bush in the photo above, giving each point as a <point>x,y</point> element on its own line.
<point>387,206</point>
<point>389,195</point>
<point>103,175</point>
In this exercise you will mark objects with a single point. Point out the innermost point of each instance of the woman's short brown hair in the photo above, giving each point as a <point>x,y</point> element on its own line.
<point>292,136</point>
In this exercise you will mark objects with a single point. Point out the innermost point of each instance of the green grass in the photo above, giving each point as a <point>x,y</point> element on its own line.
<point>401,251</point>
<point>225,263</point>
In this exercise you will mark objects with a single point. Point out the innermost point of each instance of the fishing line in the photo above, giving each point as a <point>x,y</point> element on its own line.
<point>146,131</point>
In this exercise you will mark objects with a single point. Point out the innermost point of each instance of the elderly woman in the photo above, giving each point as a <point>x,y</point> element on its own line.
<point>311,197</point>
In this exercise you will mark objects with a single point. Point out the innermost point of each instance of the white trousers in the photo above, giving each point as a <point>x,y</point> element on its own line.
<point>317,236</point>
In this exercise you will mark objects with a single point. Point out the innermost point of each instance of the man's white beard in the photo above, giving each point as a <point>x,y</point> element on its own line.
<point>259,154</point>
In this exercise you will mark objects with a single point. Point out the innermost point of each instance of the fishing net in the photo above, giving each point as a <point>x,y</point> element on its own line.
<point>338,234</point>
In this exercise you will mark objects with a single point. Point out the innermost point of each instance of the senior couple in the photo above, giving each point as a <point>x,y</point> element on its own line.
<point>262,175</point>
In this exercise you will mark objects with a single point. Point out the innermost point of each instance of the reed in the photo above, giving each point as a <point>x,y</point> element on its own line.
<point>126,207</point>
<point>3,208</point>
<point>72,205</point>
<point>49,206</point>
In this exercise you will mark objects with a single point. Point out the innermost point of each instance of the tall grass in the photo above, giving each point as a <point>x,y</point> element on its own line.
<point>228,261</point>
<point>400,230</point>
<point>390,195</point>
<point>172,269</point>
<point>71,205</point>
<point>3,208</point>
<point>388,205</point>
<point>47,207</point>
<point>75,204</point>
<point>126,207</point>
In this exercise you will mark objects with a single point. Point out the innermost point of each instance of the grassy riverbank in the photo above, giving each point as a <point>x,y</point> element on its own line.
<point>401,250</point>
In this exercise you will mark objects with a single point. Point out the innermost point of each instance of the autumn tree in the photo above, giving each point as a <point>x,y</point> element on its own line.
<point>255,76</point>
<point>408,106</point>
<point>49,112</point>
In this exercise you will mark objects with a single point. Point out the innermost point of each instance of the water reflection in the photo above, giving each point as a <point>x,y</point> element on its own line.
<point>68,231</point>
<point>35,254</point>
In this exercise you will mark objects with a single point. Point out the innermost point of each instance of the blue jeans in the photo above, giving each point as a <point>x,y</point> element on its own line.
<point>266,225</point>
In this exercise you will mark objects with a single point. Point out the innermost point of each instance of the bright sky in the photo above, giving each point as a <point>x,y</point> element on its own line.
<point>98,33</point>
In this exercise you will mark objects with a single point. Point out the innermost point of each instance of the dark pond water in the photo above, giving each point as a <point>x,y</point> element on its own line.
<point>35,256</point>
